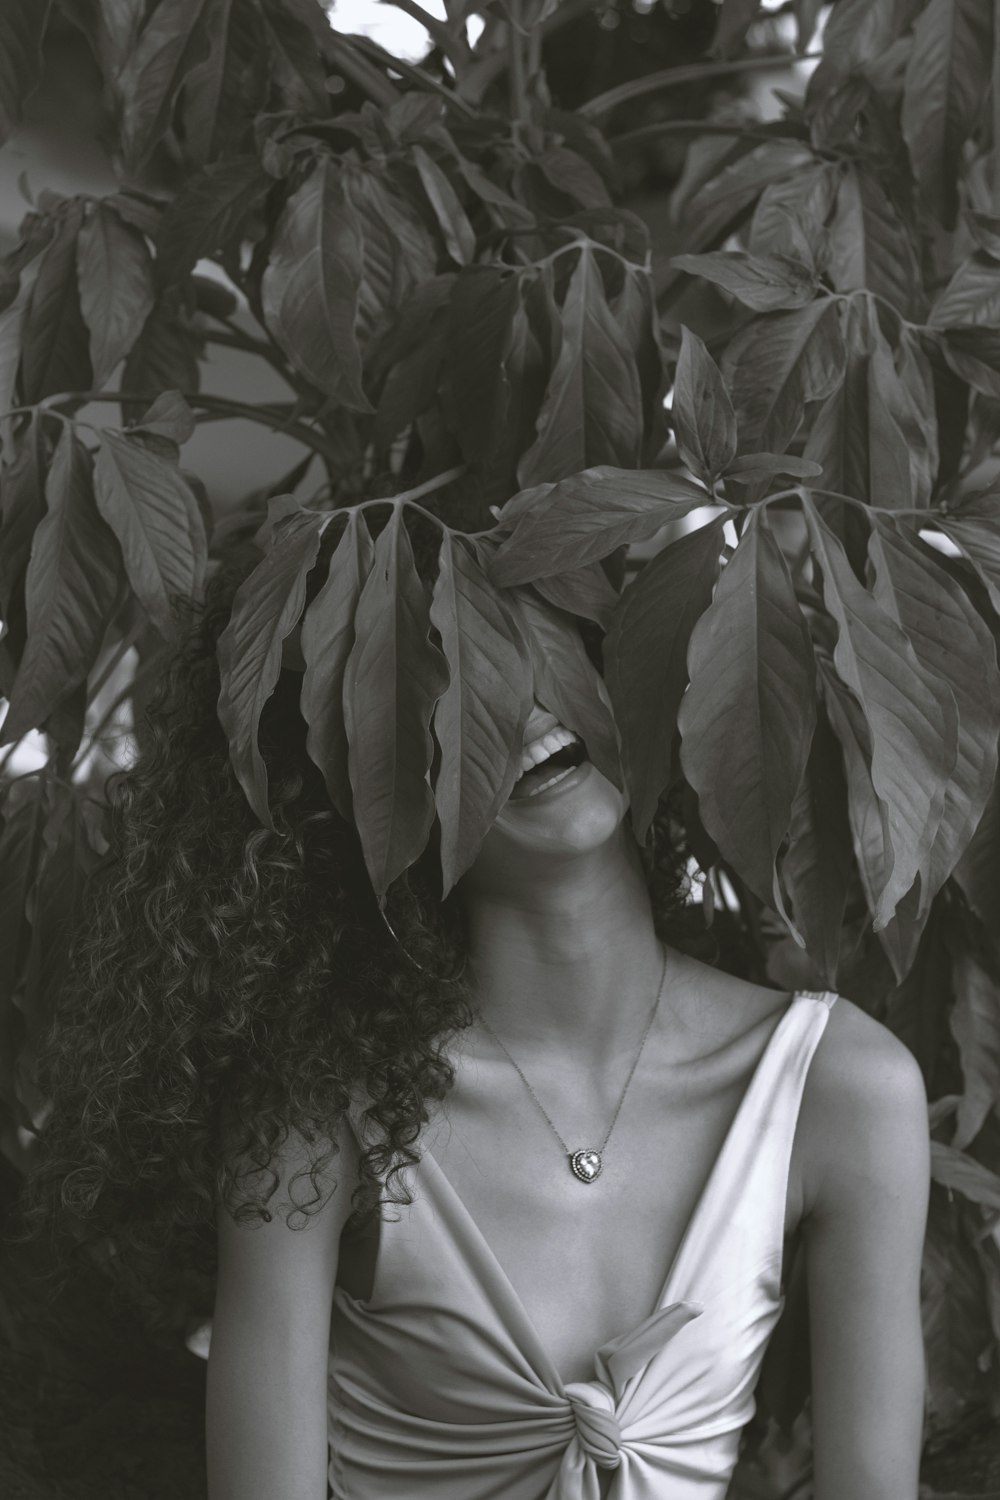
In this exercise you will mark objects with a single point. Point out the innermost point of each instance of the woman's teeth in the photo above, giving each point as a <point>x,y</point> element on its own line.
<point>541,749</point>
<point>560,775</point>
<point>534,777</point>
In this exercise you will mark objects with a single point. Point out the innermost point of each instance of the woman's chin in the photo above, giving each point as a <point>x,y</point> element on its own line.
<point>575,815</point>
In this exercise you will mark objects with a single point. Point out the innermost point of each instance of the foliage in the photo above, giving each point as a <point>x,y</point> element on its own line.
<point>468,325</point>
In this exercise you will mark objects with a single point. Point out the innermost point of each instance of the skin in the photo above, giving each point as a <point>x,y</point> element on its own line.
<point>566,965</point>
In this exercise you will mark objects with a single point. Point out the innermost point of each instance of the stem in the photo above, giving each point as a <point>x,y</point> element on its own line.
<point>355,66</point>
<point>603,104</point>
<point>418,75</point>
<point>515,52</point>
<point>690,127</point>
<point>273,417</point>
<point>429,486</point>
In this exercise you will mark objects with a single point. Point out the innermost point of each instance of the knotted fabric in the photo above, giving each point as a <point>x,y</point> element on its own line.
<point>596,1425</point>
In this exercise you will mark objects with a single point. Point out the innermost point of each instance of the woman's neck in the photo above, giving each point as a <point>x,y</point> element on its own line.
<point>566,956</point>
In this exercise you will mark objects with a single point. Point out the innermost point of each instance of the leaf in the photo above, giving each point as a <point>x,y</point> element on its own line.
<point>266,608</point>
<point>747,718</point>
<point>394,677</point>
<point>975,1026</point>
<point>479,720</point>
<point>566,682</point>
<point>116,288</point>
<point>70,588</point>
<point>165,355</point>
<point>763,282</point>
<point>946,78</point>
<point>398,249</point>
<point>172,42</point>
<point>980,544</point>
<point>209,214</point>
<point>791,216</point>
<point>453,223</point>
<point>327,638</point>
<point>960,1173</point>
<point>816,866</point>
<point>153,513</point>
<point>973,352</point>
<point>764,465</point>
<point>646,660</point>
<point>574,176</point>
<point>869,244</point>
<point>13,320</point>
<point>971,296</point>
<point>636,314</point>
<point>585,517</point>
<point>484,302</point>
<point>20,847</point>
<point>720,204</point>
<point>55,354</point>
<point>169,417</point>
<point>957,654</point>
<point>955,1323</point>
<point>228,86</point>
<point>584,591</point>
<point>702,413</point>
<point>21,509</point>
<point>913,735</point>
<point>22,29</point>
<point>592,412</point>
<point>978,871</point>
<point>310,288</point>
<point>296,60</point>
<point>777,365</point>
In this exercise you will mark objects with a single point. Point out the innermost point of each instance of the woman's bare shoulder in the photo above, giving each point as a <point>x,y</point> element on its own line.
<point>864,1107</point>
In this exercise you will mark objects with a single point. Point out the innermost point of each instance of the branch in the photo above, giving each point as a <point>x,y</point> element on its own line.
<point>603,104</point>
<point>485,70</point>
<point>418,75</point>
<point>698,127</point>
<point>440,34</point>
<point>359,70</point>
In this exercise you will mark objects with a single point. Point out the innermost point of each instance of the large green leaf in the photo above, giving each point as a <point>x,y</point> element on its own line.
<point>394,677</point>
<point>397,248</point>
<point>765,283</point>
<point>645,658</point>
<point>55,342</point>
<point>327,638</point>
<point>777,365</point>
<point>586,591</point>
<point>22,29</point>
<point>459,239</point>
<point>153,513</point>
<point>721,203</point>
<point>566,681</point>
<point>592,413</point>
<point>958,656</point>
<point>975,1026</point>
<point>210,213</point>
<point>70,587</point>
<point>791,215</point>
<point>870,246</point>
<point>115,272</point>
<point>310,288</point>
<point>172,42</point>
<point>747,718</point>
<point>972,295</point>
<point>702,413</point>
<point>815,868</point>
<point>914,734</point>
<point>585,517</point>
<point>479,720</point>
<point>13,321</point>
<point>946,78</point>
<point>265,610</point>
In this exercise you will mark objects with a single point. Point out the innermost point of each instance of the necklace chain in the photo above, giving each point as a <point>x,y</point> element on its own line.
<point>621,1098</point>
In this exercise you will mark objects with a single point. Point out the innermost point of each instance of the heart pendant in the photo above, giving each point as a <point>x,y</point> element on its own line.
<point>586,1165</point>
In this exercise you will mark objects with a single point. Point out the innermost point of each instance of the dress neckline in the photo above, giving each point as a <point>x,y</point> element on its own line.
<point>438,1176</point>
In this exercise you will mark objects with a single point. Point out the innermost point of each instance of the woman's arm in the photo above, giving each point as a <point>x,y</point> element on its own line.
<point>867,1174</point>
<point>266,1412</point>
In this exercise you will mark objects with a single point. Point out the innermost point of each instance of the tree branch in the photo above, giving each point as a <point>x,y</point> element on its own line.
<point>636,88</point>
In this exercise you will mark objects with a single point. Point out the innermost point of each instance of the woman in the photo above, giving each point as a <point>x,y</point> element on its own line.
<point>597,1145</point>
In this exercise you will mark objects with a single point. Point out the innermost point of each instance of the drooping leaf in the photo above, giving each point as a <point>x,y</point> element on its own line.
<point>169,417</point>
<point>22,29</point>
<point>957,653</point>
<point>870,245</point>
<point>13,320</point>
<point>646,660</point>
<point>636,314</point>
<point>585,517</point>
<point>394,677</point>
<point>327,638</point>
<point>792,214</point>
<point>310,288</point>
<point>397,249</point>
<point>764,465</point>
<point>946,77</point>
<point>296,59</point>
<point>209,213</point>
<point>856,31</point>
<point>266,608</point>
<point>592,413</point>
<point>702,413</point>
<point>225,89</point>
<point>585,591</point>
<point>172,41</point>
<point>70,588</point>
<point>766,283</point>
<point>975,1026</point>
<point>566,681</point>
<point>153,513</point>
<point>978,870</point>
<point>55,342</point>
<point>165,355</point>
<point>972,296</point>
<point>724,200</point>
<point>479,720</point>
<point>815,869</point>
<point>747,718</point>
<point>973,352</point>
<point>777,365</point>
<point>484,301</point>
<point>914,736</point>
<point>116,287</point>
<point>571,174</point>
<point>979,541</point>
<point>459,239</point>
<point>21,509</point>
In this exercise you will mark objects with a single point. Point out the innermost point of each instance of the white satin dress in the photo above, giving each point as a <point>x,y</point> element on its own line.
<point>440,1388</point>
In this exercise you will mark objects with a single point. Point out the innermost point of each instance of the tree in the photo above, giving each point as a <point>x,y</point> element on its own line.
<point>478,360</point>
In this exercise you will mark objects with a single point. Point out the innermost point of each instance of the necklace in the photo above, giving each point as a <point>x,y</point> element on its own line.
<point>587,1163</point>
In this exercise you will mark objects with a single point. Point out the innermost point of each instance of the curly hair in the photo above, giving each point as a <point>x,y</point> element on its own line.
<point>234,984</point>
